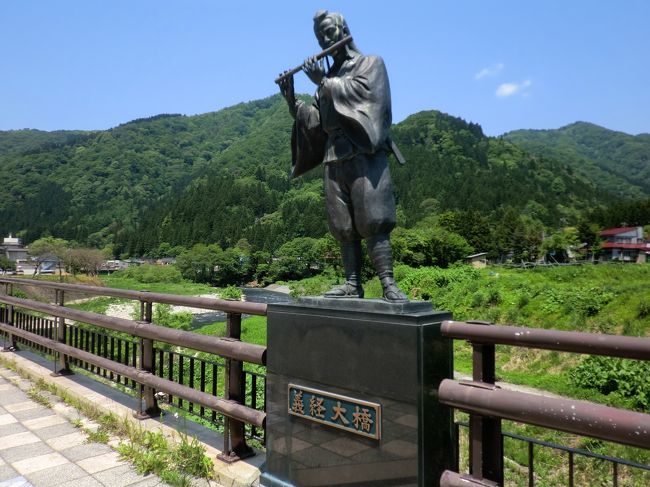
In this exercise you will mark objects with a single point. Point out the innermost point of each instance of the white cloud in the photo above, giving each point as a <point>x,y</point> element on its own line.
<point>489,71</point>
<point>508,89</point>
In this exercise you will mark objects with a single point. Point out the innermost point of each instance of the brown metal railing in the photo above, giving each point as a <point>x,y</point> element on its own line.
<point>141,371</point>
<point>488,404</point>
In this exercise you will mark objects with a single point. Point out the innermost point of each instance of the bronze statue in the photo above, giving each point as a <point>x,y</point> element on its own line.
<point>347,128</point>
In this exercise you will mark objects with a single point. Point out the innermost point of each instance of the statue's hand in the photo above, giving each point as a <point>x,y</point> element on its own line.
<point>314,69</point>
<point>288,92</point>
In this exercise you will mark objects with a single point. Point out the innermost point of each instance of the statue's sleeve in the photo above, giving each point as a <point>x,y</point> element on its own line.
<point>361,98</point>
<point>307,140</point>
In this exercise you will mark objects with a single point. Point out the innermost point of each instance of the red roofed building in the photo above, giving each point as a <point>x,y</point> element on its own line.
<point>625,244</point>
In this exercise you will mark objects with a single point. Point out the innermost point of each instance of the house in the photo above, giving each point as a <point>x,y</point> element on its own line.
<point>478,261</point>
<point>625,244</point>
<point>110,266</point>
<point>12,248</point>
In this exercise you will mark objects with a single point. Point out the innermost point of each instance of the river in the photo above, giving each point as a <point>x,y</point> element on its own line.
<point>251,295</point>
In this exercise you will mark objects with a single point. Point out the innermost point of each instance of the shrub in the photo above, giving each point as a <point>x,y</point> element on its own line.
<point>589,302</point>
<point>163,316</point>
<point>643,310</point>
<point>523,300</point>
<point>494,297</point>
<point>629,378</point>
<point>148,273</point>
<point>478,299</point>
<point>231,292</point>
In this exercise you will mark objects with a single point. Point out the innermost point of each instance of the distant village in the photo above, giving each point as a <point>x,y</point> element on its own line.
<point>13,250</point>
<point>623,244</point>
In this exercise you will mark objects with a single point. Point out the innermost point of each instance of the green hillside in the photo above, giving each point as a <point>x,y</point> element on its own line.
<point>224,176</point>
<point>452,162</point>
<point>453,168</point>
<point>86,189</point>
<point>22,141</point>
<point>616,162</point>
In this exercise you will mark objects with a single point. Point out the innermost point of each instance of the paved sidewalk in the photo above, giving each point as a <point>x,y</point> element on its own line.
<point>39,447</point>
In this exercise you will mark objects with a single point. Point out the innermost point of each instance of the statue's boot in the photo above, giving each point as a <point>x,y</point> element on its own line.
<point>351,288</point>
<point>381,255</point>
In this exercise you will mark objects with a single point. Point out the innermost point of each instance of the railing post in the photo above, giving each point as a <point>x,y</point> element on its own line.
<point>13,344</point>
<point>234,439</point>
<point>146,363</point>
<point>486,441</point>
<point>60,330</point>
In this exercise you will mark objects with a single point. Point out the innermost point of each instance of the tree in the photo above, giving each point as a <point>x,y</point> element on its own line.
<point>84,260</point>
<point>230,266</point>
<point>294,259</point>
<point>49,247</point>
<point>6,265</point>
<point>560,244</point>
<point>197,264</point>
<point>428,245</point>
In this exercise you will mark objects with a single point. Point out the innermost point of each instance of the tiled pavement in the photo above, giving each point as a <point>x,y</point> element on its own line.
<point>39,447</point>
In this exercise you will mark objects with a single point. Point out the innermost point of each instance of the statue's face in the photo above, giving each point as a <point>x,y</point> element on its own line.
<point>328,33</point>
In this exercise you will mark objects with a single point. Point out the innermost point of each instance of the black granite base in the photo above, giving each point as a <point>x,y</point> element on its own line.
<point>367,305</point>
<point>373,351</point>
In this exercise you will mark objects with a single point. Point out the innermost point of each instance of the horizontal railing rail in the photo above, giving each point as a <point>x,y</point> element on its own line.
<point>199,371</point>
<point>488,404</point>
<point>142,359</point>
<point>246,352</point>
<point>173,299</point>
<point>572,416</point>
<point>561,341</point>
<point>223,406</point>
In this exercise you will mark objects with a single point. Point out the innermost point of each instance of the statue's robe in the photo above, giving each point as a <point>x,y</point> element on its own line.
<point>351,115</point>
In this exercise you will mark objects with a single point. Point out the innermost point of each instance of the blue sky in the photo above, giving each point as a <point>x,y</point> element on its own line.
<point>79,64</point>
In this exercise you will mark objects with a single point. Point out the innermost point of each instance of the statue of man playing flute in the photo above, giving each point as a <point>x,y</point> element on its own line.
<point>347,129</point>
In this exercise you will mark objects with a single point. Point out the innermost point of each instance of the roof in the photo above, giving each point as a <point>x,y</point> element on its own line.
<point>616,231</point>
<point>476,255</point>
<point>614,245</point>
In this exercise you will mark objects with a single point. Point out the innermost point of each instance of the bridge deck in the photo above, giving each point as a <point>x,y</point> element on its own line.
<point>85,389</point>
<point>40,447</point>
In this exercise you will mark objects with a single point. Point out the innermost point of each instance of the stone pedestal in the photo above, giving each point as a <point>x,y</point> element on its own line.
<point>373,360</point>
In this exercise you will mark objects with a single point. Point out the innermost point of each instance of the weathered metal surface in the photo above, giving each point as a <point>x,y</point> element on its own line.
<point>348,131</point>
<point>224,406</point>
<point>235,447</point>
<point>246,352</point>
<point>63,367</point>
<point>326,52</point>
<point>334,410</point>
<point>453,479</point>
<point>486,442</point>
<point>563,341</point>
<point>192,301</point>
<point>573,416</point>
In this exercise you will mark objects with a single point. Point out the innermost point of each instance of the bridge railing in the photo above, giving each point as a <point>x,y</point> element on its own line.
<point>124,351</point>
<point>488,404</point>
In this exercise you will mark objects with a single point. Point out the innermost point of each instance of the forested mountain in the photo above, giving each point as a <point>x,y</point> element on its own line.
<point>616,162</point>
<point>88,188</point>
<point>22,141</point>
<point>224,176</point>
<point>454,163</point>
<point>452,166</point>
